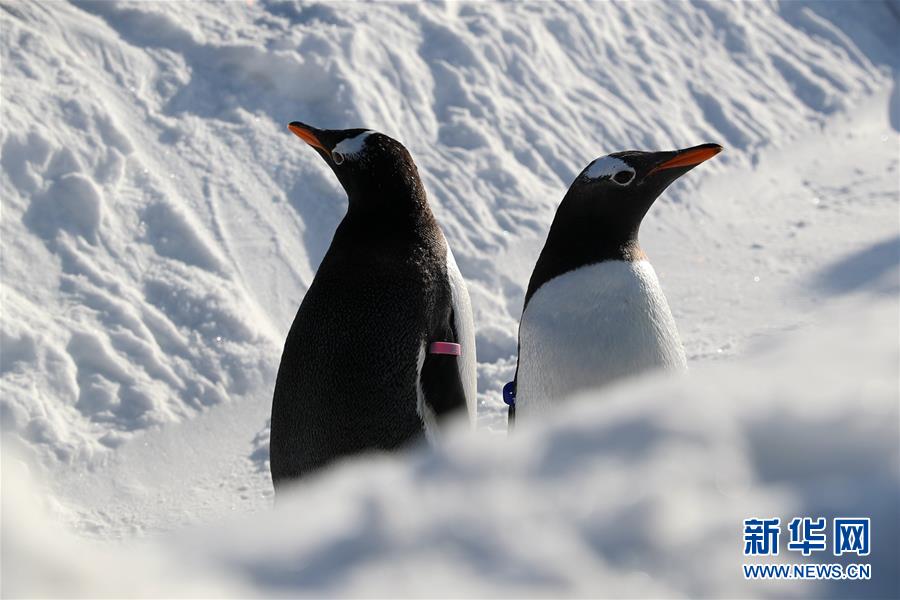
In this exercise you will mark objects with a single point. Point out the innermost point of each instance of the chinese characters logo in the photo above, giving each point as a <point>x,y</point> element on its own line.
<point>807,535</point>
<point>761,537</point>
<point>851,536</point>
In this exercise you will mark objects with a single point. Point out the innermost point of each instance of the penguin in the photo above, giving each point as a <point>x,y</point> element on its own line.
<point>594,311</point>
<point>382,349</point>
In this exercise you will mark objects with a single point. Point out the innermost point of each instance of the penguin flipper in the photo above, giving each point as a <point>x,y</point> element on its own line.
<point>463,326</point>
<point>449,382</point>
<point>442,385</point>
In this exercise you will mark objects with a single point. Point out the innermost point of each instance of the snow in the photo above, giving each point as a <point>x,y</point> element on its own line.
<point>638,491</point>
<point>160,226</point>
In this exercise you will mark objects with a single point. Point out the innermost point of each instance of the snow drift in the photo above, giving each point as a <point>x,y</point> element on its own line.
<point>639,491</point>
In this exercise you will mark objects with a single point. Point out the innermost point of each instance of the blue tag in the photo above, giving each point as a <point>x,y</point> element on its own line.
<point>509,393</point>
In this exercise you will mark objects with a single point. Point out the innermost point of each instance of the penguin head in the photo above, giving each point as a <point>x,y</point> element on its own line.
<point>600,216</point>
<point>614,192</point>
<point>376,171</point>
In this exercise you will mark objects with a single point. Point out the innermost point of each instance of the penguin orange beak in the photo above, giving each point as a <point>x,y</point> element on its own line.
<point>305,133</point>
<point>689,157</point>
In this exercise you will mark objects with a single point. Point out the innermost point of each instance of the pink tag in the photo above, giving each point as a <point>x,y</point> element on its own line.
<point>445,348</point>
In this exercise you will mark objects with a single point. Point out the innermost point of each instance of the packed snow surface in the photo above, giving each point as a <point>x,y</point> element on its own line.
<point>160,226</point>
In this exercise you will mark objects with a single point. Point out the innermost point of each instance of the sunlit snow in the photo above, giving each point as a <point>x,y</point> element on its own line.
<point>160,226</point>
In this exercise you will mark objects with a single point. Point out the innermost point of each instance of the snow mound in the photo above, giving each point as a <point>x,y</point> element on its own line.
<point>638,491</point>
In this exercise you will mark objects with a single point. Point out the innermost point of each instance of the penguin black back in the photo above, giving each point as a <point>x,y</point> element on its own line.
<point>353,366</point>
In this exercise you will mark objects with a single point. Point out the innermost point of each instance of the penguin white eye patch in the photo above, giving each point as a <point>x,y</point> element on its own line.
<point>611,168</point>
<point>349,148</point>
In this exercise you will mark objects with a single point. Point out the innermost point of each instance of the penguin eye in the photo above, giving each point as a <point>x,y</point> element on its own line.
<point>337,157</point>
<point>623,177</point>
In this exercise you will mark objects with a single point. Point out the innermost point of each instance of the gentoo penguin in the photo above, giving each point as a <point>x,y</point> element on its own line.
<point>594,310</point>
<point>382,348</point>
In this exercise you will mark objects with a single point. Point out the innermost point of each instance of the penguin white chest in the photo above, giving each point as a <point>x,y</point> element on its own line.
<point>592,326</point>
